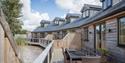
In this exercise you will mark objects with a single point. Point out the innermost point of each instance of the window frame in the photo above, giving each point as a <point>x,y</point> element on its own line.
<point>86,34</point>
<point>118,29</point>
<point>109,4</point>
<point>106,4</point>
<point>87,13</point>
<point>84,14</point>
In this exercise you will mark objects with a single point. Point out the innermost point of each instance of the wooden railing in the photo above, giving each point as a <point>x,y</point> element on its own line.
<point>39,41</point>
<point>45,56</point>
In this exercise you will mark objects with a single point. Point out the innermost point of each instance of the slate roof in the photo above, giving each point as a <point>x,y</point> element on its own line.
<point>84,21</point>
<point>89,6</point>
<point>73,15</point>
<point>59,19</point>
<point>45,22</point>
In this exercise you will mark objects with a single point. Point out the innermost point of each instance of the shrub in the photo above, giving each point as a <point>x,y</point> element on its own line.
<point>21,41</point>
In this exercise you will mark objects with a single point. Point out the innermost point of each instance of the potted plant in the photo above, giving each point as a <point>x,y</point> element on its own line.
<point>105,54</point>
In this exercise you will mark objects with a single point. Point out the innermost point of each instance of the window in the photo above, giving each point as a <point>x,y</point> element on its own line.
<point>121,30</point>
<point>42,25</point>
<point>86,34</point>
<point>56,22</point>
<point>87,13</point>
<point>83,14</point>
<point>45,25</point>
<point>35,35</point>
<point>41,35</point>
<point>60,22</point>
<point>106,3</point>
<point>109,3</point>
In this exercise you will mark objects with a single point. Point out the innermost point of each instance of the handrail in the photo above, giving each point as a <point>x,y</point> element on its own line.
<point>39,41</point>
<point>42,57</point>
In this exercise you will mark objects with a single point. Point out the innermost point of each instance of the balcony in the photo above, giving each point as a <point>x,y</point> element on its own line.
<point>57,52</point>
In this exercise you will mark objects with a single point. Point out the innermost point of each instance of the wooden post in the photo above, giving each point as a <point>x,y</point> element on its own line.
<point>1,44</point>
<point>6,49</point>
<point>7,31</point>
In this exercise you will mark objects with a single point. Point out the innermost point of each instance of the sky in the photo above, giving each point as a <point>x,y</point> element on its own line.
<point>33,11</point>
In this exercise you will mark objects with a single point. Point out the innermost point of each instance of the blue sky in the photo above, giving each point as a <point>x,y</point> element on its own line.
<point>48,6</point>
<point>34,11</point>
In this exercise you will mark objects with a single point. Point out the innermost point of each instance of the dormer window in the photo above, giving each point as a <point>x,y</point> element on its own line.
<point>44,23</point>
<point>83,14</point>
<point>60,22</point>
<point>56,22</point>
<point>86,14</point>
<point>70,17</point>
<point>106,3</point>
<point>89,10</point>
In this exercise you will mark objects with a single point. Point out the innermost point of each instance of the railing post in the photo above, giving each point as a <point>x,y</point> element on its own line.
<point>39,40</point>
<point>48,58</point>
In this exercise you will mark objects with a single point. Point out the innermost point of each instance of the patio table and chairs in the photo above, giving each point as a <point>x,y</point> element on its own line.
<point>85,55</point>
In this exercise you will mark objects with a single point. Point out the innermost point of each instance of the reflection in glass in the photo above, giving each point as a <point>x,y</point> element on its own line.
<point>122,31</point>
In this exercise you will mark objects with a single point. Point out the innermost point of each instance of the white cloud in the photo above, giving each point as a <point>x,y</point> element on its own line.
<point>31,18</point>
<point>74,6</point>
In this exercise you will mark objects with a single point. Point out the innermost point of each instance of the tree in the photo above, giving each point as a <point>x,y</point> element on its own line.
<point>12,11</point>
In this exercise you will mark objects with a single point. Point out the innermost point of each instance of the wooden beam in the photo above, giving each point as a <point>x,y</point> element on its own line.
<point>1,44</point>
<point>7,31</point>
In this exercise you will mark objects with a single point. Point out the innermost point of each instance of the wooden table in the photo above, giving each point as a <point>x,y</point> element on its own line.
<point>75,55</point>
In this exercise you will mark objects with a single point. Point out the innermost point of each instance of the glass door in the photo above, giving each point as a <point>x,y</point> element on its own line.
<point>99,35</point>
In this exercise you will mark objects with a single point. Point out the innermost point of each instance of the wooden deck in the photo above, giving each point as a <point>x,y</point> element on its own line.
<point>30,53</point>
<point>57,56</point>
